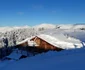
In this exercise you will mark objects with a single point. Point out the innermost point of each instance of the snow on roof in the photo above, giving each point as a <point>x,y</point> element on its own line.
<point>30,43</point>
<point>23,41</point>
<point>61,41</point>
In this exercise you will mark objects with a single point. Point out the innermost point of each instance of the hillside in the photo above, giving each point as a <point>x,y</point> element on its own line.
<point>73,59</point>
<point>20,33</point>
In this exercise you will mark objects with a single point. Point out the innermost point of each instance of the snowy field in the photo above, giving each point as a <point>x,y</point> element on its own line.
<point>64,60</point>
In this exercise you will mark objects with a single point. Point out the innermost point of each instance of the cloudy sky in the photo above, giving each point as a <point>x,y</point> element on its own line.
<point>34,12</point>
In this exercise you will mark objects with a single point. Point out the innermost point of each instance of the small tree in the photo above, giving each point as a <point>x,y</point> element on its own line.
<point>14,39</point>
<point>40,29</point>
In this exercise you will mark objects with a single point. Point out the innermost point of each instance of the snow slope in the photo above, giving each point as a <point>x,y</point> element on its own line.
<point>76,26</point>
<point>67,26</point>
<point>78,34</point>
<point>65,60</point>
<point>71,26</point>
<point>14,55</point>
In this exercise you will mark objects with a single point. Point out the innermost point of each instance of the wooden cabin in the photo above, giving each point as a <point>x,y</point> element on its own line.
<point>24,44</point>
<point>51,42</point>
<point>29,46</point>
<point>43,44</point>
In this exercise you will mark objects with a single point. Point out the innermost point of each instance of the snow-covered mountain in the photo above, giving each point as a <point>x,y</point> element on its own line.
<point>65,26</point>
<point>59,26</point>
<point>7,28</point>
<point>45,26</point>
<point>76,26</point>
<point>71,26</point>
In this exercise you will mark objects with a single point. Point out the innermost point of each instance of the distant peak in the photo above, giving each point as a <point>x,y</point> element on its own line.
<point>45,25</point>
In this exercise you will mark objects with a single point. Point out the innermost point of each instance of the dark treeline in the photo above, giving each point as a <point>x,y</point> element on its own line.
<point>5,50</point>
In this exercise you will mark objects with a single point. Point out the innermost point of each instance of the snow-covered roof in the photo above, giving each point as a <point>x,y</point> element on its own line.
<point>30,43</point>
<point>26,40</point>
<point>61,41</point>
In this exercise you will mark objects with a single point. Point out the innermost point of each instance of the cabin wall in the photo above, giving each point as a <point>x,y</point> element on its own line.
<point>24,44</point>
<point>45,45</point>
